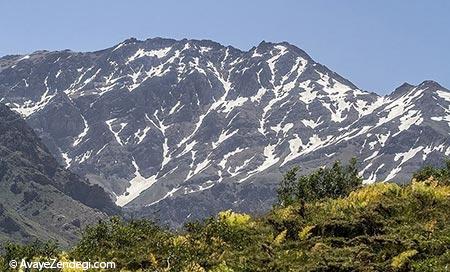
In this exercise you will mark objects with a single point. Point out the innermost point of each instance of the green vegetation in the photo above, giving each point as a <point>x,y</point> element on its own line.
<point>337,181</point>
<point>345,227</point>
<point>33,251</point>
<point>441,175</point>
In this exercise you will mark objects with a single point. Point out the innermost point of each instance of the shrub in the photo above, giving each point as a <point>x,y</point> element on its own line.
<point>280,238</point>
<point>442,175</point>
<point>402,260</point>
<point>233,219</point>
<point>380,227</point>
<point>428,194</point>
<point>194,267</point>
<point>373,194</point>
<point>37,250</point>
<point>129,244</point>
<point>221,268</point>
<point>305,233</point>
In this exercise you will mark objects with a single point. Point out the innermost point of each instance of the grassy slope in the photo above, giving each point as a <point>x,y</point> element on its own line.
<point>381,227</point>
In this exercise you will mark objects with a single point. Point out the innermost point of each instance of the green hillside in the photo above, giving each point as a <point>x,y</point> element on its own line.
<point>345,227</point>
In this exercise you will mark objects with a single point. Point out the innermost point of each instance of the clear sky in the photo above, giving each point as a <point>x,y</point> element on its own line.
<point>375,44</point>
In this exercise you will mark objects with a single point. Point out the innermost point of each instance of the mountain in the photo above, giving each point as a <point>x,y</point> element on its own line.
<point>183,128</point>
<point>38,197</point>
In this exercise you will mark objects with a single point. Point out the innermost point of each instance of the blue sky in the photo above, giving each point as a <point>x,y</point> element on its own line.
<point>376,44</point>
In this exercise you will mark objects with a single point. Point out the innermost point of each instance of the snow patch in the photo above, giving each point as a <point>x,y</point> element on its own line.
<point>116,133</point>
<point>137,185</point>
<point>81,136</point>
<point>158,53</point>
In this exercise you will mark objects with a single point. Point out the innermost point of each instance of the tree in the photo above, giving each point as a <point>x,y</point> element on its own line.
<point>286,189</point>
<point>131,244</point>
<point>442,175</point>
<point>336,181</point>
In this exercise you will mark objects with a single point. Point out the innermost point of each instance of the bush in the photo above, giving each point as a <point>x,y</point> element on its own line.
<point>233,219</point>
<point>380,227</point>
<point>129,244</point>
<point>305,233</point>
<point>442,175</point>
<point>402,260</point>
<point>37,250</point>
<point>334,182</point>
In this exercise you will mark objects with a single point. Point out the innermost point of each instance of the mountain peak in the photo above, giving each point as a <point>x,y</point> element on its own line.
<point>430,84</point>
<point>405,85</point>
<point>156,119</point>
<point>268,46</point>
<point>131,40</point>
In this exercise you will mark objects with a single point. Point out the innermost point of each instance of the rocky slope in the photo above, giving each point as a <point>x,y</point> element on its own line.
<point>187,127</point>
<point>38,197</point>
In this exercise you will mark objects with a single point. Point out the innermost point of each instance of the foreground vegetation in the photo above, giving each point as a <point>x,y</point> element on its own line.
<point>325,221</point>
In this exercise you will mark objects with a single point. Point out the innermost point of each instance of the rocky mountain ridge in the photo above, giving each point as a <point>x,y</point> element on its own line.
<point>39,199</point>
<point>188,126</point>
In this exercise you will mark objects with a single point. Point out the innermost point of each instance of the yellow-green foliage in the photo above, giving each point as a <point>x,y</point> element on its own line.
<point>286,213</point>
<point>319,247</point>
<point>380,227</point>
<point>280,238</point>
<point>360,199</point>
<point>429,191</point>
<point>402,259</point>
<point>222,267</point>
<point>370,196</point>
<point>64,257</point>
<point>179,240</point>
<point>305,233</point>
<point>233,219</point>
<point>153,260</point>
<point>373,194</point>
<point>194,267</point>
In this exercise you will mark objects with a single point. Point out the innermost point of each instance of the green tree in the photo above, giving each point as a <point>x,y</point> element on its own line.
<point>286,189</point>
<point>128,243</point>
<point>442,175</point>
<point>335,181</point>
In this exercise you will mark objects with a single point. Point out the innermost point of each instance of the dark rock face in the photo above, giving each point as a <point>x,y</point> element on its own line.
<point>38,196</point>
<point>188,127</point>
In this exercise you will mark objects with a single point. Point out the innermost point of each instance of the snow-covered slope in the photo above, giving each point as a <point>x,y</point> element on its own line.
<point>158,120</point>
